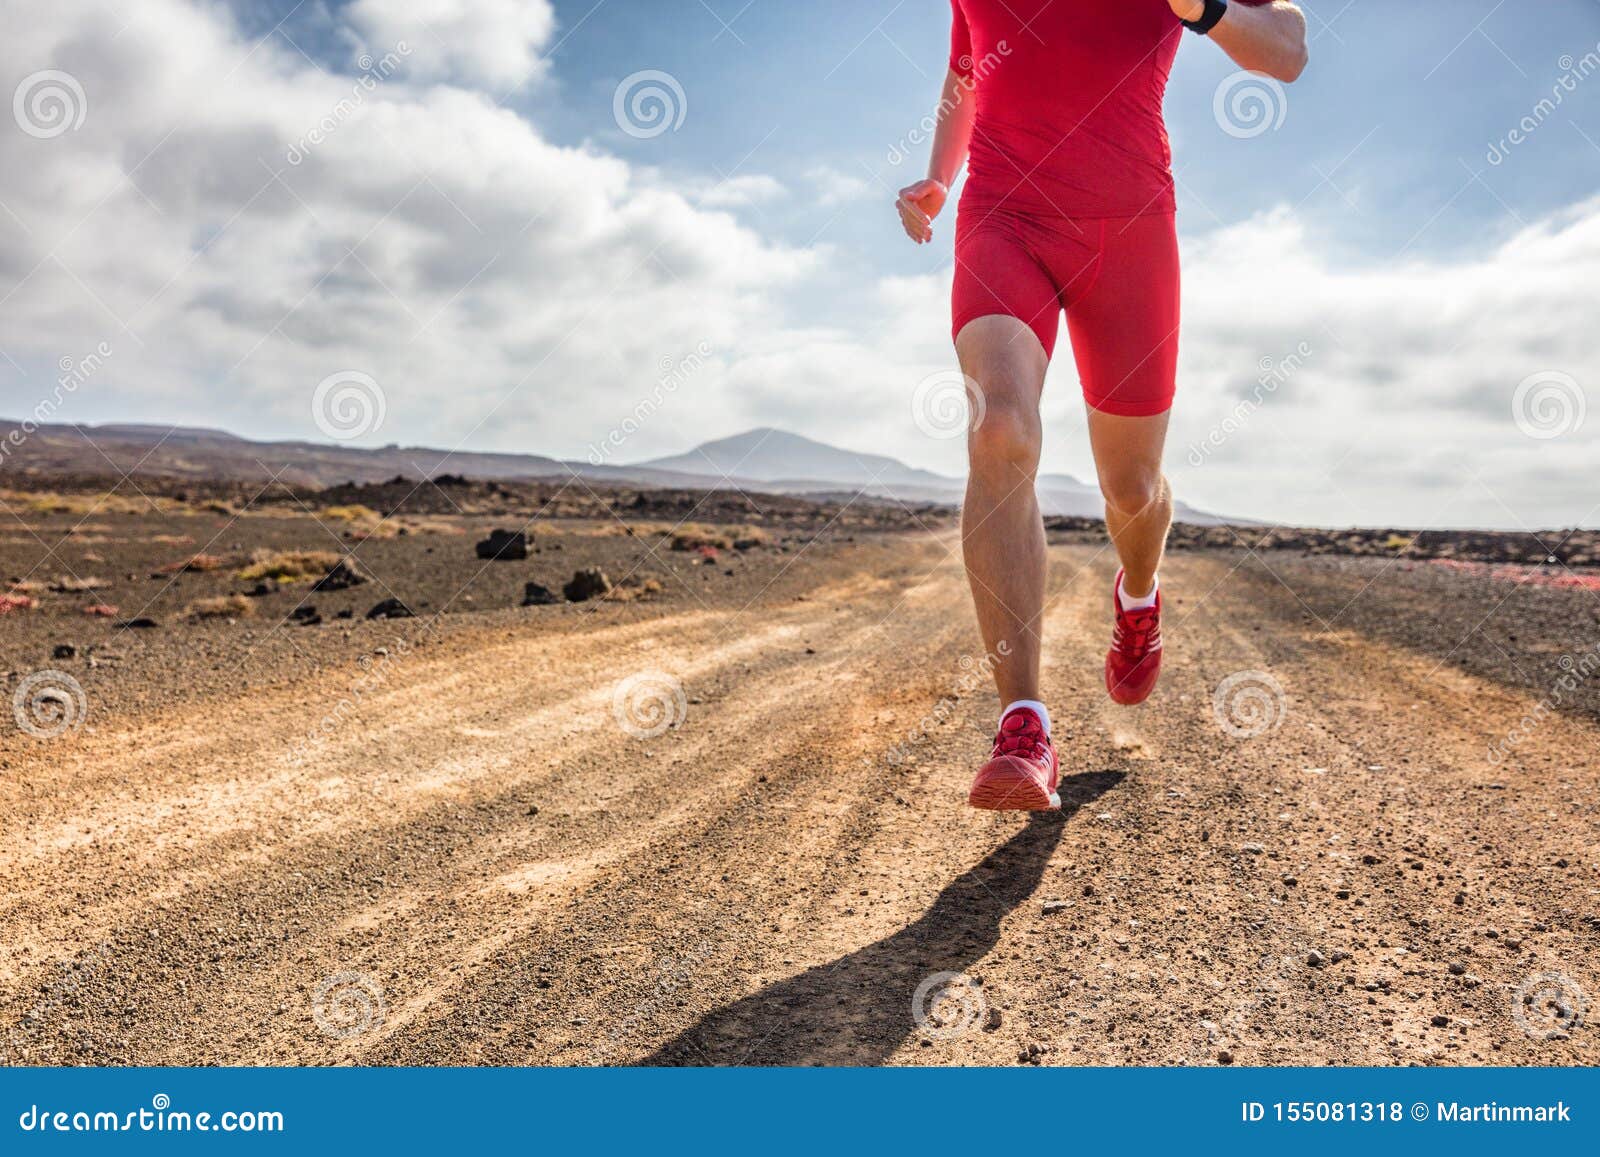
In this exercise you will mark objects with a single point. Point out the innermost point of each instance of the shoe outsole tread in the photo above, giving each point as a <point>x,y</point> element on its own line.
<point>1012,792</point>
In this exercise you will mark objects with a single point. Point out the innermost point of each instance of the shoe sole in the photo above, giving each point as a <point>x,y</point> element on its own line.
<point>1124,698</point>
<point>1008,794</point>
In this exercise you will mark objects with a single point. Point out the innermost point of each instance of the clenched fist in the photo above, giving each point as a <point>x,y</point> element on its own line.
<point>919,204</point>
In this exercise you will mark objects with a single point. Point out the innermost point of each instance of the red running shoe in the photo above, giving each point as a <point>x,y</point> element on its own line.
<point>1134,662</point>
<point>1023,772</point>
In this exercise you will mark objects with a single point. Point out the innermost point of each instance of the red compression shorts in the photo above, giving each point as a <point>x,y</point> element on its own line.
<point>1117,278</point>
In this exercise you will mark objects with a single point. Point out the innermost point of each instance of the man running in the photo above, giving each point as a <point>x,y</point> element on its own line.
<point>1055,107</point>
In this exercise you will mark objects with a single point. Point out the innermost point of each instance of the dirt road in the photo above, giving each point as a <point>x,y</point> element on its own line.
<point>477,862</point>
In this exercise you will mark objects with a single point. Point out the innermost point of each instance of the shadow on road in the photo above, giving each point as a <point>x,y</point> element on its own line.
<point>856,1010</point>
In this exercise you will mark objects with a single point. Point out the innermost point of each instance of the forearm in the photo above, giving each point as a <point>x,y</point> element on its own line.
<point>952,133</point>
<point>1269,39</point>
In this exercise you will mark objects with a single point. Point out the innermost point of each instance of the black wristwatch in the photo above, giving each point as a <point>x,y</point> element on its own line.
<point>1215,11</point>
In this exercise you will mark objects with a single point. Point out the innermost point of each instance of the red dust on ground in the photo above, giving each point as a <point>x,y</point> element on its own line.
<point>1526,575</point>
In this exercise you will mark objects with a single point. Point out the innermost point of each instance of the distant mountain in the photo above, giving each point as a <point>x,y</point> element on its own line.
<point>770,460</point>
<point>768,455</point>
<point>190,452</point>
<point>155,430</point>
<point>792,464</point>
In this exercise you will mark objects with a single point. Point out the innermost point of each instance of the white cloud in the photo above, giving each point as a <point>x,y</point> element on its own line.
<point>491,43</point>
<point>742,192</point>
<point>499,288</point>
<point>835,188</point>
<point>509,293</point>
<point>1403,410</point>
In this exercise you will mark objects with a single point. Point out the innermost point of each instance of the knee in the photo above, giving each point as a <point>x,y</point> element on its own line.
<point>1131,491</point>
<point>1007,433</point>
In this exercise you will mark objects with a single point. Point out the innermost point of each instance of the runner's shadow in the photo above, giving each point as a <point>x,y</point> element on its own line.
<point>856,1010</point>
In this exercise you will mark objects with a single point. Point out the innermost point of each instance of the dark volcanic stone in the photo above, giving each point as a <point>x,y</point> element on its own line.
<point>588,583</point>
<point>391,609</point>
<point>537,595</point>
<point>504,546</point>
<point>344,575</point>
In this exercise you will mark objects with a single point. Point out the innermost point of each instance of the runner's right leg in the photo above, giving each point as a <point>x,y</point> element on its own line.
<point>1002,534</point>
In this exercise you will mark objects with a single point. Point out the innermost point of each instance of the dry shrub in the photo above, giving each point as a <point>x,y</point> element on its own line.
<point>695,536</point>
<point>633,587</point>
<point>650,528</point>
<point>287,566</point>
<point>614,529</point>
<point>67,584</point>
<point>102,611</point>
<point>225,607</point>
<point>195,563</point>
<point>440,525</point>
<point>50,502</point>
<point>354,512</point>
<point>9,603</point>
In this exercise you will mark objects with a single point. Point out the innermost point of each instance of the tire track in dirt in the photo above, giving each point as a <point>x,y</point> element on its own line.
<point>762,885</point>
<point>324,860</point>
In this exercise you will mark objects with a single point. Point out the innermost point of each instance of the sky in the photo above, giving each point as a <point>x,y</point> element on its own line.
<point>615,229</point>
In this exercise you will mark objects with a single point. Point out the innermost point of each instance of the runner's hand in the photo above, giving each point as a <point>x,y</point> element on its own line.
<point>919,204</point>
<point>1187,9</point>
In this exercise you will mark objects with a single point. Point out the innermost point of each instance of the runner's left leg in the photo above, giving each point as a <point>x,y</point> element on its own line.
<point>1124,327</point>
<point>1127,456</point>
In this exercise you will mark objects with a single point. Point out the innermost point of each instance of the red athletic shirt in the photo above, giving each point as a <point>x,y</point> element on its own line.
<point>1069,97</point>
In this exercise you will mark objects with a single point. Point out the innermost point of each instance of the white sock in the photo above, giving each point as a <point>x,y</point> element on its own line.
<point>1129,603</point>
<point>1033,705</point>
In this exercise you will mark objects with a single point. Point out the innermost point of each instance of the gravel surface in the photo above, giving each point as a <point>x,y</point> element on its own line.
<point>670,830</point>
